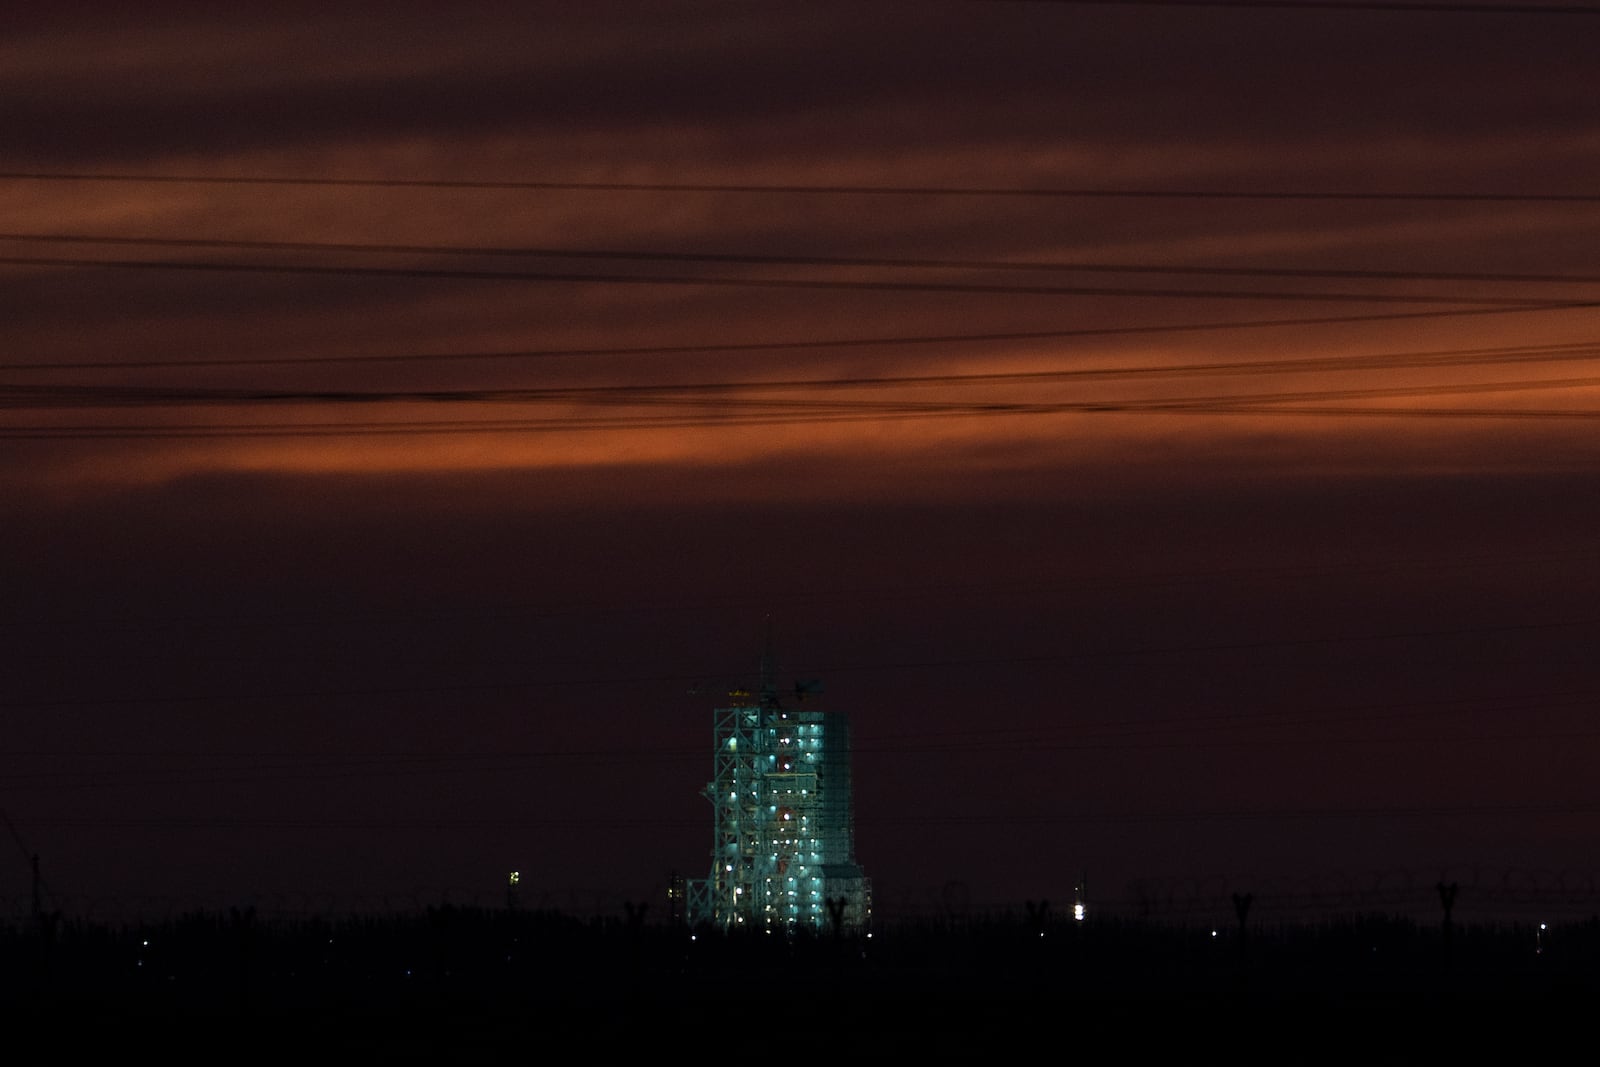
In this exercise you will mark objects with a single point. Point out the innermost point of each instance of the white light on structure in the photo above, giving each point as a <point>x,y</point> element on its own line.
<point>1077,912</point>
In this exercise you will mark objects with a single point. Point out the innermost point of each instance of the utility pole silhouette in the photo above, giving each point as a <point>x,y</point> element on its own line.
<point>1447,900</point>
<point>45,922</point>
<point>1038,915</point>
<point>244,938</point>
<point>1241,908</point>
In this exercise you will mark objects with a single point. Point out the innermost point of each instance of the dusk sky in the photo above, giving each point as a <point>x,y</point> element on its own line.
<point>1171,432</point>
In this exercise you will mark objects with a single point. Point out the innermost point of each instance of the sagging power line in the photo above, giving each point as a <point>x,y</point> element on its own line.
<point>90,396</point>
<point>765,259</point>
<point>566,278</point>
<point>800,189</point>
<point>1414,7</point>
<point>709,348</point>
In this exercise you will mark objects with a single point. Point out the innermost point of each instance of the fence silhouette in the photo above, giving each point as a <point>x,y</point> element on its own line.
<point>1483,893</point>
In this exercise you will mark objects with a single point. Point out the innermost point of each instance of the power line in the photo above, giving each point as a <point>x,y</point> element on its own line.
<point>771,412</point>
<point>1078,737</point>
<point>782,346</point>
<point>1437,7</point>
<point>897,263</point>
<point>455,274</point>
<point>989,661</point>
<point>812,189</point>
<point>1516,414</point>
<point>1051,586</point>
<point>530,426</point>
<point>63,781</point>
<point>1384,392</point>
<point>1168,725</point>
<point>991,740</point>
<point>78,396</point>
<point>453,825</point>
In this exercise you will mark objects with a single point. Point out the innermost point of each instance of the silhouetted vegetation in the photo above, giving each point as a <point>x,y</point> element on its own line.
<point>236,961</point>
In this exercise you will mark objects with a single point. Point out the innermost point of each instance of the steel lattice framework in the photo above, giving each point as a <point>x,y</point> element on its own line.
<point>782,855</point>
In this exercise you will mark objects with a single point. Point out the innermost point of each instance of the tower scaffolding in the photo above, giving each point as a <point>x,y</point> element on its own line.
<point>783,836</point>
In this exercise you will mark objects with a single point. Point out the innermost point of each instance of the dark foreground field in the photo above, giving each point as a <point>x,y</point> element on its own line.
<point>469,985</point>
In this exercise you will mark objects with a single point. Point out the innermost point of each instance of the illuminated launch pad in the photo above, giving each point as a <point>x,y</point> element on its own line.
<point>783,847</point>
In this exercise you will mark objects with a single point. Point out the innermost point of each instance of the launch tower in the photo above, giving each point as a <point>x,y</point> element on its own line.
<point>783,839</point>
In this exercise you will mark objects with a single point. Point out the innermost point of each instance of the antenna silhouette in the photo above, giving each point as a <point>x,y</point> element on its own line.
<point>769,669</point>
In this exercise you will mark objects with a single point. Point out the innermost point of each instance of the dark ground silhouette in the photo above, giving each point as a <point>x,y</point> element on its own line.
<point>467,983</point>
